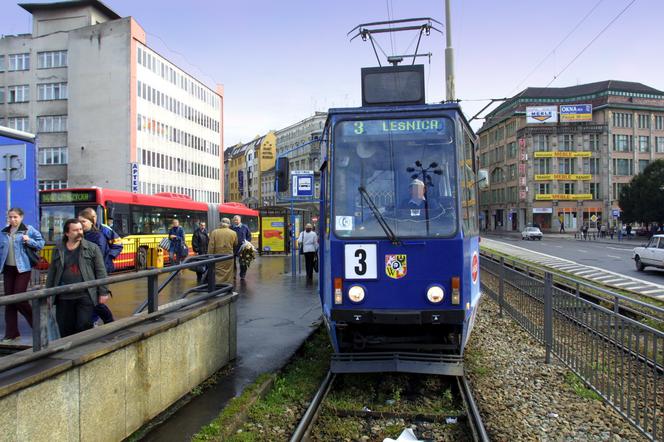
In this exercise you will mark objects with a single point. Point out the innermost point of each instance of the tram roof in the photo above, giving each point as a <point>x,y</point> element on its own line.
<point>369,110</point>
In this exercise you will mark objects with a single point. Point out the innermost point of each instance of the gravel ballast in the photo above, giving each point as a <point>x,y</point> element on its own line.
<point>522,398</point>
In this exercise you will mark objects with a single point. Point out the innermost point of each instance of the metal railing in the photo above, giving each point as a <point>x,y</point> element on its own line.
<point>618,357</point>
<point>42,299</point>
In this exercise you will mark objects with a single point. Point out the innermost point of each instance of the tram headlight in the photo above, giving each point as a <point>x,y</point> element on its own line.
<point>435,294</point>
<point>356,293</point>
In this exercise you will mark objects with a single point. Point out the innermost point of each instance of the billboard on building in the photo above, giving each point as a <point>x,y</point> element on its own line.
<point>574,113</point>
<point>541,114</point>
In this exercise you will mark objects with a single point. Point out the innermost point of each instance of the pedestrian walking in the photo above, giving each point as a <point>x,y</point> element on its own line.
<point>243,234</point>
<point>199,243</point>
<point>562,227</point>
<point>223,241</point>
<point>113,241</point>
<point>603,231</point>
<point>92,233</point>
<point>16,268</point>
<point>176,234</point>
<point>308,240</point>
<point>76,260</point>
<point>584,230</point>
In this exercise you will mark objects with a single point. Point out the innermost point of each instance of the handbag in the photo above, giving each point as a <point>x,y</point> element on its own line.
<point>33,256</point>
<point>165,243</point>
<point>316,262</point>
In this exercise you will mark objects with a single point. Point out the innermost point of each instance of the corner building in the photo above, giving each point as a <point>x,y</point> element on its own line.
<point>567,172</point>
<point>101,100</point>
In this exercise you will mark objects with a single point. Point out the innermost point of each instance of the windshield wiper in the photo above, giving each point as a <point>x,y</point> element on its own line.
<point>379,216</point>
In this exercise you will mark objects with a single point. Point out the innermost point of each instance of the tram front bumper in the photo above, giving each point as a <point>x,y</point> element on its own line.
<point>398,317</point>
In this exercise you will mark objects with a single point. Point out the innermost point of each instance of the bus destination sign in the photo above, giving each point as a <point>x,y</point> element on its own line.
<point>83,196</point>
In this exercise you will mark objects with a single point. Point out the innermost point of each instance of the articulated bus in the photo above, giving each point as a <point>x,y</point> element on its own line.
<point>141,220</point>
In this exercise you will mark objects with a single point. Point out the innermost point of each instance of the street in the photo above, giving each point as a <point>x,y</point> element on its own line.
<point>614,257</point>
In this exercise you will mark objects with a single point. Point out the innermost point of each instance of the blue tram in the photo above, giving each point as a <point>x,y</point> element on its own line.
<point>399,246</point>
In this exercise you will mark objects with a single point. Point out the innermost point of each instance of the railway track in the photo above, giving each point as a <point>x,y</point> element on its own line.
<point>470,419</point>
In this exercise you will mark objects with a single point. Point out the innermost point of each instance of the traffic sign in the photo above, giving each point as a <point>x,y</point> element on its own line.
<point>593,218</point>
<point>302,183</point>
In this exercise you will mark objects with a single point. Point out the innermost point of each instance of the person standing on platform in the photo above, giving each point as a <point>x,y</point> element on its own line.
<point>309,241</point>
<point>76,260</point>
<point>176,235</point>
<point>223,241</point>
<point>199,243</point>
<point>243,234</point>
<point>94,235</point>
<point>16,268</point>
<point>113,240</point>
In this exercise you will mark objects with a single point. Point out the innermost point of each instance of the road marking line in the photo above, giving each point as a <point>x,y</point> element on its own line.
<point>647,292</point>
<point>582,251</point>
<point>611,281</point>
<point>622,284</point>
<point>619,248</point>
<point>613,256</point>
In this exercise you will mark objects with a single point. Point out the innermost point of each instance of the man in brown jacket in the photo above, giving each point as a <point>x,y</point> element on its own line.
<point>223,241</point>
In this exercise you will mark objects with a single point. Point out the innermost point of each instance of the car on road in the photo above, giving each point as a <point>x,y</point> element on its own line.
<point>531,233</point>
<point>651,254</point>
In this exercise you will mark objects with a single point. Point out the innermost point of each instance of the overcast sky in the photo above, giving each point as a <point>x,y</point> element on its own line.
<point>280,61</point>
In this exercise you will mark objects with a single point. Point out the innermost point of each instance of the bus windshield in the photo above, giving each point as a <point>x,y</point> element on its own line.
<point>53,219</point>
<point>404,168</point>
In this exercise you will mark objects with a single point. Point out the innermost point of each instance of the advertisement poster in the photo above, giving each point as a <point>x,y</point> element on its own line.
<point>574,113</point>
<point>541,114</point>
<point>273,234</point>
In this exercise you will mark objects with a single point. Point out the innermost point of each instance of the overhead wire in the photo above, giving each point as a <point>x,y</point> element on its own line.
<point>552,52</point>
<point>555,77</point>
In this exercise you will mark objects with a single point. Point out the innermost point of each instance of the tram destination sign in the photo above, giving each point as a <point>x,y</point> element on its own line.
<point>408,126</point>
<point>76,196</point>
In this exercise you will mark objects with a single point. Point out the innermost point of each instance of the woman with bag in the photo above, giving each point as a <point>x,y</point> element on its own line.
<point>19,247</point>
<point>308,241</point>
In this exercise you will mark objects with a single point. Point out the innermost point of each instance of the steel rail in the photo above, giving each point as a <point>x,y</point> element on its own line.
<point>306,423</point>
<point>474,418</point>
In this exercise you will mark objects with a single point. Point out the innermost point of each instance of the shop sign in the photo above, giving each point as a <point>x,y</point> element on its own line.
<point>541,114</point>
<point>561,154</point>
<point>563,176</point>
<point>542,210</point>
<point>563,196</point>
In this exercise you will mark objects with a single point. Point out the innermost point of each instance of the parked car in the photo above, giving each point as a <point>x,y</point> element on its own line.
<point>652,254</point>
<point>531,233</point>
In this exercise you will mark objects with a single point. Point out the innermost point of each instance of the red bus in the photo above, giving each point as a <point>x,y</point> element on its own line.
<point>141,220</point>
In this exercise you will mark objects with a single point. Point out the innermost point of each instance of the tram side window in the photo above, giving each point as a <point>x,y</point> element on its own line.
<point>468,202</point>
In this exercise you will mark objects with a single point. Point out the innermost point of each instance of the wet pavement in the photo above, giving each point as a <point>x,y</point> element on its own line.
<point>276,312</point>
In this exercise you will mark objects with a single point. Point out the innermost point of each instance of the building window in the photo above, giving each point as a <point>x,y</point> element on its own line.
<point>622,143</point>
<point>568,188</point>
<point>19,62</point>
<point>52,184</point>
<point>542,165</point>
<point>18,94</point>
<point>19,123</point>
<point>644,143</point>
<point>2,94</point>
<point>511,150</point>
<point>591,166</point>
<point>52,155</point>
<point>540,142</point>
<point>52,123</point>
<point>2,63</point>
<point>51,59</point>
<point>659,144</point>
<point>617,188</point>
<point>52,91</point>
<point>642,165</point>
<point>622,166</point>
<point>566,142</point>
<point>593,142</point>
<point>594,190</point>
<point>566,165</point>
<point>644,121</point>
<point>659,119</point>
<point>621,119</point>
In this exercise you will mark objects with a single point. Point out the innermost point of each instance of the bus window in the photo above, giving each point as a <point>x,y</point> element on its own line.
<point>120,221</point>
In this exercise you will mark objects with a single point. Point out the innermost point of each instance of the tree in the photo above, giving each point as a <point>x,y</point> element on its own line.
<point>642,200</point>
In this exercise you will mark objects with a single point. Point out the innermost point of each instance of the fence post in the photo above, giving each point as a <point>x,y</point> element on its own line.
<point>153,293</point>
<point>211,280</point>
<point>548,315</point>
<point>501,285</point>
<point>39,324</point>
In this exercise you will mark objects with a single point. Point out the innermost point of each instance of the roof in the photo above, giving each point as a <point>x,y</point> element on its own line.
<point>540,95</point>
<point>32,7</point>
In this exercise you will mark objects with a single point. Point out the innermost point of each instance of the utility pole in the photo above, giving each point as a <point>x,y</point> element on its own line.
<point>449,55</point>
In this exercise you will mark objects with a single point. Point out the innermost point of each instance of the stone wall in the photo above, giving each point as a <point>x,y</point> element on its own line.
<point>107,389</point>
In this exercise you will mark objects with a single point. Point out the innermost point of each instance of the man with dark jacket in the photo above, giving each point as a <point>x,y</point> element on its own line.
<point>243,234</point>
<point>199,242</point>
<point>76,260</point>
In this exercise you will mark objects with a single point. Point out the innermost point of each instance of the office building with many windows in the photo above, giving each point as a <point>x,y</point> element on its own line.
<point>102,101</point>
<point>560,156</point>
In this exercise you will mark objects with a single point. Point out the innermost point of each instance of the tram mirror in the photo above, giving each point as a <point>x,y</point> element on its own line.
<point>282,172</point>
<point>483,178</point>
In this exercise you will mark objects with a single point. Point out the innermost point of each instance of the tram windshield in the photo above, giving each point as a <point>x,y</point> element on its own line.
<point>396,175</point>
